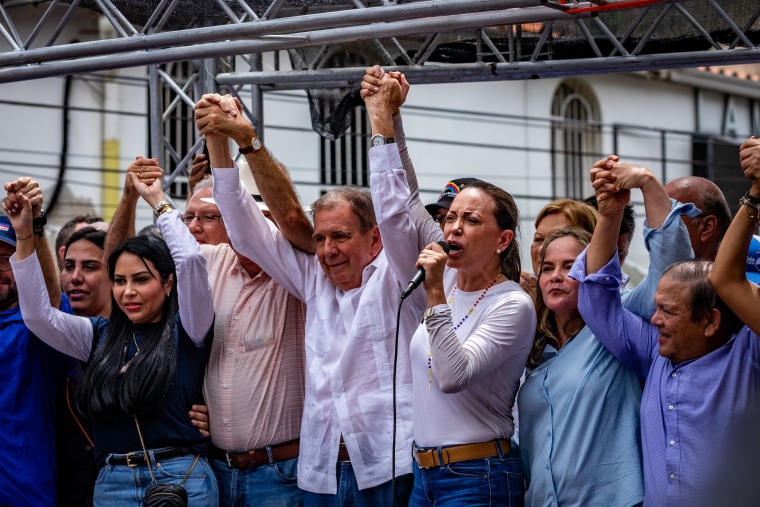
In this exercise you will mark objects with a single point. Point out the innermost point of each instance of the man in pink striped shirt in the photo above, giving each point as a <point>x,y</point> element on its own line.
<point>254,383</point>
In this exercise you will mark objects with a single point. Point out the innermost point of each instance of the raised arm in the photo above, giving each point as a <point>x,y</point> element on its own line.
<point>31,189</point>
<point>123,222</point>
<point>612,201</point>
<point>193,288</point>
<point>271,178</point>
<point>728,274</point>
<point>665,235</point>
<point>66,333</point>
<point>390,193</point>
<point>427,229</point>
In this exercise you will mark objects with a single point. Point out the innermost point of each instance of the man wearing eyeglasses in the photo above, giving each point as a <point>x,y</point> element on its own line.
<point>32,372</point>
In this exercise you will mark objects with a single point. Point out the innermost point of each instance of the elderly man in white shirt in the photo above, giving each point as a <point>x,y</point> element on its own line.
<point>351,295</point>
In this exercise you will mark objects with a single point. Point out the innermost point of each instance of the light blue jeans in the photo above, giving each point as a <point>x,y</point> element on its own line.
<point>271,485</point>
<point>480,482</point>
<point>120,485</point>
<point>349,494</point>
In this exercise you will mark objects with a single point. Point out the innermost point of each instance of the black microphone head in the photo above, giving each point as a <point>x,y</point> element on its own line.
<point>446,247</point>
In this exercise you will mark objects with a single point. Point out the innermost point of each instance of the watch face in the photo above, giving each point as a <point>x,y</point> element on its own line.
<point>256,144</point>
<point>378,140</point>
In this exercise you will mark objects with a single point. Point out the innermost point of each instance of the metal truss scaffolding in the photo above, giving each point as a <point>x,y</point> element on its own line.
<point>431,41</point>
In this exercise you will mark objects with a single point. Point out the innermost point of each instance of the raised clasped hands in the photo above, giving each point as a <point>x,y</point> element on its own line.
<point>749,156</point>
<point>381,89</point>
<point>221,116</point>
<point>146,177</point>
<point>612,181</point>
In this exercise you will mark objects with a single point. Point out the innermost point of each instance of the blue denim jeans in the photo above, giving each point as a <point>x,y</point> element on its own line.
<point>476,482</point>
<point>349,494</point>
<point>271,485</point>
<point>120,485</point>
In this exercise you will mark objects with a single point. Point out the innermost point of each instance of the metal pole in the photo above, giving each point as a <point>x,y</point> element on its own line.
<point>334,36</point>
<point>141,42</point>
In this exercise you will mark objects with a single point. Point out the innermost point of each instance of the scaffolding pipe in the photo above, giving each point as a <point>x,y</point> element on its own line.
<point>141,42</point>
<point>334,36</point>
<point>471,72</point>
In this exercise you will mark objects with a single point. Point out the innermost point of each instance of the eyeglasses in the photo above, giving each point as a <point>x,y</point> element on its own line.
<point>203,219</point>
<point>5,262</point>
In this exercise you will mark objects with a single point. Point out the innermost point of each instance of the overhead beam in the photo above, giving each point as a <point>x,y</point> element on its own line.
<point>258,28</point>
<point>280,42</point>
<point>473,72</point>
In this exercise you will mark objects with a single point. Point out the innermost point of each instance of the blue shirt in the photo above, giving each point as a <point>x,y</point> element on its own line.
<point>699,418</point>
<point>579,409</point>
<point>31,375</point>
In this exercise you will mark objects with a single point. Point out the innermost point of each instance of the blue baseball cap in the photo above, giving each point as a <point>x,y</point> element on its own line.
<point>450,191</point>
<point>753,260</point>
<point>7,233</point>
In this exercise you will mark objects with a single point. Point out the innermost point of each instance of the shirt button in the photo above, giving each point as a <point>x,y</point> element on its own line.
<point>674,374</point>
<point>230,351</point>
<point>226,421</point>
<point>548,433</point>
<point>237,318</point>
<point>670,407</point>
<point>672,476</point>
<point>225,386</point>
<point>672,442</point>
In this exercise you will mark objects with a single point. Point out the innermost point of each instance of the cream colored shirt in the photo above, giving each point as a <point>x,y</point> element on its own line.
<point>254,384</point>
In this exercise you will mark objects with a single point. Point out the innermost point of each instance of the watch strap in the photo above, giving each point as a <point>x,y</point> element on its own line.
<point>255,145</point>
<point>38,223</point>
<point>161,208</point>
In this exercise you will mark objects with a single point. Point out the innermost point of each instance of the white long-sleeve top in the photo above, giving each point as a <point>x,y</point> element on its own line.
<point>476,368</point>
<point>349,349</point>
<point>73,335</point>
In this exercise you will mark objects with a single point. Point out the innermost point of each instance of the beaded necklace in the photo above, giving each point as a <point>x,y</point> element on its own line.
<point>469,312</point>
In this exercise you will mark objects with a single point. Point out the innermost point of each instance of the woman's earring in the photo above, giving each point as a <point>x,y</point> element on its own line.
<point>498,250</point>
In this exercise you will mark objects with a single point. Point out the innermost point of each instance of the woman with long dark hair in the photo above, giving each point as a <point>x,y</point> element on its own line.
<point>146,362</point>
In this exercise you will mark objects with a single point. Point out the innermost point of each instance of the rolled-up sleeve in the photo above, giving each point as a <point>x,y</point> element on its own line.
<point>667,244</point>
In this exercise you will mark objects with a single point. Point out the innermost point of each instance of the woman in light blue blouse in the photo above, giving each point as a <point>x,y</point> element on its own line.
<point>579,406</point>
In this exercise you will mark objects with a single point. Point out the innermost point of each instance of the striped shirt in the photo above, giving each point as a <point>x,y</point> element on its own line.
<point>255,377</point>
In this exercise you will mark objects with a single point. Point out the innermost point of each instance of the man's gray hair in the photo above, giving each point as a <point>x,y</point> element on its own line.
<point>357,198</point>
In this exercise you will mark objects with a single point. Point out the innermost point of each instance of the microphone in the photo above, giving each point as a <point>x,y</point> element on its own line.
<point>419,277</point>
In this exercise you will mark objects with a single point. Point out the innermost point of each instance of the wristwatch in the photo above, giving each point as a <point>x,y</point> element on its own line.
<point>254,146</point>
<point>161,208</point>
<point>38,223</point>
<point>429,312</point>
<point>378,140</point>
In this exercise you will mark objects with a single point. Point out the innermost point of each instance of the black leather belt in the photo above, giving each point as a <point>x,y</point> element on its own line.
<point>137,459</point>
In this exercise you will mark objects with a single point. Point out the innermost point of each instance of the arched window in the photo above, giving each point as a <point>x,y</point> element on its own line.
<point>576,141</point>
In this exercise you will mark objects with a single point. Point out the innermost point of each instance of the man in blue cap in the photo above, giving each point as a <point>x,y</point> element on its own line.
<point>32,373</point>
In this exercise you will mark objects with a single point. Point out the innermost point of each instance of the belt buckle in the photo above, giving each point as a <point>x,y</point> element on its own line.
<point>129,457</point>
<point>229,460</point>
<point>417,453</point>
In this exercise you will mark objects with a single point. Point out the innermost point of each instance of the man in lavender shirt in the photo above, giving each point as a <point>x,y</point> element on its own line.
<point>700,365</point>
